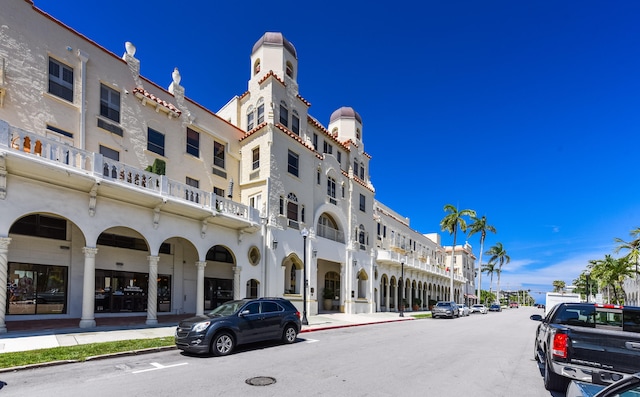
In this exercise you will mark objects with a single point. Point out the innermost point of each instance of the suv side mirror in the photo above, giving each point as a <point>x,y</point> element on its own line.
<point>536,317</point>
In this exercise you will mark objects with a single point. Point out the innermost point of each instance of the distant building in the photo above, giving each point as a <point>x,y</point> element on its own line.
<point>120,197</point>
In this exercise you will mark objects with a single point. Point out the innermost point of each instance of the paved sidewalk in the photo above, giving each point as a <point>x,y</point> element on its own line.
<point>123,329</point>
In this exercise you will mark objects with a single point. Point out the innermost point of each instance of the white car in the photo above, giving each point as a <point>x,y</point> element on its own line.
<point>463,309</point>
<point>478,308</point>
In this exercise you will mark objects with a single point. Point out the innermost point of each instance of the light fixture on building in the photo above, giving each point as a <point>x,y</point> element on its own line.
<point>314,252</point>
<point>355,262</point>
<point>274,243</point>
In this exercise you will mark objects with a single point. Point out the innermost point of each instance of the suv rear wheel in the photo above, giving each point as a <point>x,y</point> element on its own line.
<point>290,334</point>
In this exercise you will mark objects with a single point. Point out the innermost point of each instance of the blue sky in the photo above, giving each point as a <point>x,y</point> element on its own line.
<point>525,111</point>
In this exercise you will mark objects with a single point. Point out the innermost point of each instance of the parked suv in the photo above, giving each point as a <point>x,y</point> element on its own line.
<point>445,309</point>
<point>238,322</point>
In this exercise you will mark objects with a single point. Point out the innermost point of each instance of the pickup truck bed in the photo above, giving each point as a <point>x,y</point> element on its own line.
<point>588,342</point>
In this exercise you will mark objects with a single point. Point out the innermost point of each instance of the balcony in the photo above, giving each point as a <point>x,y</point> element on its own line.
<point>393,258</point>
<point>36,157</point>
<point>330,233</point>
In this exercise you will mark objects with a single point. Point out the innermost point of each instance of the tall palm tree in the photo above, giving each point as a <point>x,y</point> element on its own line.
<point>450,223</point>
<point>481,226</point>
<point>558,285</point>
<point>611,272</point>
<point>489,268</point>
<point>498,256</point>
<point>633,254</point>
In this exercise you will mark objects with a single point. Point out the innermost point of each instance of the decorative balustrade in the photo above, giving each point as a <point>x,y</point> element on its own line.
<point>105,168</point>
<point>414,263</point>
<point>330,233</point>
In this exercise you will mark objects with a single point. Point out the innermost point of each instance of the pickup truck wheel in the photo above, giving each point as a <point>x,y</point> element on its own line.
<point>553,381</point>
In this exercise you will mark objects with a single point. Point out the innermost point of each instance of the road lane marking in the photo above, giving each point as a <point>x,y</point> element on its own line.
<point>158,366</point>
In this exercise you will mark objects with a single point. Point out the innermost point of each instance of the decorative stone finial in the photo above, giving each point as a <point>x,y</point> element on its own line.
<point>176,76</point>
<point>131,49</point>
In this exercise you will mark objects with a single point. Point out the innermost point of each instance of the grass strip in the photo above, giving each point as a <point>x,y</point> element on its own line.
<point>80,352</point>
<point>424,315</point>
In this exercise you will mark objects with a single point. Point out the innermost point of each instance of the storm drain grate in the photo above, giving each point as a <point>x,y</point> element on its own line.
<point>261,381</point>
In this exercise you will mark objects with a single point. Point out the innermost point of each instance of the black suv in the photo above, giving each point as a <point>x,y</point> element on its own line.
<point>237,322</point>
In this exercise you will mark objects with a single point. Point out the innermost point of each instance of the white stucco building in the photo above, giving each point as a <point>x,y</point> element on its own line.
<point>121,197</point>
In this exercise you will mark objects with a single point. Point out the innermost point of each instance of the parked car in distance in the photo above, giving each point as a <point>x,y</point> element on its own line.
<point>495,308</point>
<point>463,309</point>
<point>478,308</point>
<point>626,387</point>
<point>238,322</point>
<point>445,309</point>
<point>513,305</point>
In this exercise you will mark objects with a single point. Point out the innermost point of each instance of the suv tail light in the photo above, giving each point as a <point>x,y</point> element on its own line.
<point>297,314</point>
<point>560,345</point>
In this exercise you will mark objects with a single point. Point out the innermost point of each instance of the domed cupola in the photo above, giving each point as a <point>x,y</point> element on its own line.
<point>345,112</point>
<point>346,124</point>
<point>276,39</point>
<point>274,52</point>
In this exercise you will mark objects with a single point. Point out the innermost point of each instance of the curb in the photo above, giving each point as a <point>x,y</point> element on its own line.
<point>350,325</point>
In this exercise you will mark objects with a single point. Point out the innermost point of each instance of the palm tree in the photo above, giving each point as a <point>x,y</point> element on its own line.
<point>480,225</point>
<point>558,285</point>
<point>498,256</point>
<point>611,272</point>
<point>633,256</point>
<point>489,268</point>
<point>450,223</point>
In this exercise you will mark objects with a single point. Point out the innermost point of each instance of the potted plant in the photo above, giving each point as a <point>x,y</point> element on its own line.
<point>417,303</point>
<point>327,295</point>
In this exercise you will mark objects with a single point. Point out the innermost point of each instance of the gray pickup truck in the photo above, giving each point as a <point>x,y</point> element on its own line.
<point>587,342</point>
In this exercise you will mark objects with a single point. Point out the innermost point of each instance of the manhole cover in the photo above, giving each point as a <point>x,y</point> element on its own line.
<point>261,381</point>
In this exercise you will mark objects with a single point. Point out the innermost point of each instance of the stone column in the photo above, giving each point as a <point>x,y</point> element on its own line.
<point>152,291</point>
<point>236,282</point>
<point>4,270</point>
<point>200,287</point>
<point>89,288</point>
<point>387,288</point>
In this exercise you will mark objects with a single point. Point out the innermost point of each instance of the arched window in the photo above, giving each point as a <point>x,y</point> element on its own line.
<point>284,114</point>
<point>358,134</point>
<point>260,111</point>
<point>292,279</point>
<point>256,67</point>
<point>292,210</point>
<point>289,70</point>
<point>250,118</point>
<point>252,289</point>
<point>331,190</point>
<point>328,228</point>
<point>362,239</point>
<point>362,171</point>
<point>362,284</point>
<point>295,122</point>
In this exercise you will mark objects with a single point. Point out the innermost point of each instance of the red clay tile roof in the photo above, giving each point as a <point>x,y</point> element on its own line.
<point>141,91</point>
<point>275,76</point>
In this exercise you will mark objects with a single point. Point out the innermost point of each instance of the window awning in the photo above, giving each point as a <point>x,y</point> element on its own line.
<point>471,296</point>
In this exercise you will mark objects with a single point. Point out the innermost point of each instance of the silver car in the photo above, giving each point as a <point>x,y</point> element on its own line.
<point>478,308</point>
<point>445,309</point>
<point>464,309</point>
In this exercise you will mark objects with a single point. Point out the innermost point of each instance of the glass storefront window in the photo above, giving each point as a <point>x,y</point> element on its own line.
<point>36,289</point>
<point>118,292</point>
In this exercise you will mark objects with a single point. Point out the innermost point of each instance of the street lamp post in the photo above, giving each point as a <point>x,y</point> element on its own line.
<point>586,276</point>
<point>402,287</point>
<point>304,233</point>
